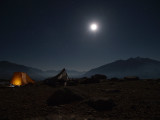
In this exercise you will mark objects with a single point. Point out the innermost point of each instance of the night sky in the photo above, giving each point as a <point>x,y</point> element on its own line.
<point>52,34</point>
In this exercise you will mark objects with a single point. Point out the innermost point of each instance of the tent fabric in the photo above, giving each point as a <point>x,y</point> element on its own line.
<point>60,78</point>
<point>20,78</point>
<point>62,75</point>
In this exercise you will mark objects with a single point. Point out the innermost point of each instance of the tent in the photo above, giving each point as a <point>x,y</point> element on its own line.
<point>20,78</point>
<point>62,75</point>
<point>60,78</point>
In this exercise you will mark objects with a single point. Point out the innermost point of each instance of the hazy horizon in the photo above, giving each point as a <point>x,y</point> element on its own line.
<point>60,68</point>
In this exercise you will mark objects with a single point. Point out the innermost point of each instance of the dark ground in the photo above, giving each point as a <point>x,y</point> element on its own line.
<point>133,100</point>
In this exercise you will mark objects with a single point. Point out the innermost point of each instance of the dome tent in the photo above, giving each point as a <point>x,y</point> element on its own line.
<point>20,79</point>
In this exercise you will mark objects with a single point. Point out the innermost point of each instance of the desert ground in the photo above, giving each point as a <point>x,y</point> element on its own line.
<point>107,100</point>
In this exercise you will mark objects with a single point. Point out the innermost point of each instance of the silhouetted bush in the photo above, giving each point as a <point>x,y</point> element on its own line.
<point>63,96</point>
<point>99,76</point>
<point>89,81</point>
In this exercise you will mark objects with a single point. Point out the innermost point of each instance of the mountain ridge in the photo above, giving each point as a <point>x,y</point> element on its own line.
<point>142,67</point>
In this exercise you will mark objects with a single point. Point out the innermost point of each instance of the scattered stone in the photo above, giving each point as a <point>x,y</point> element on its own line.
<point>90,81</point>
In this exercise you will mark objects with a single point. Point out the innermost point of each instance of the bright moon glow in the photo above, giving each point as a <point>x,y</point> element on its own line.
<point>93,27</point>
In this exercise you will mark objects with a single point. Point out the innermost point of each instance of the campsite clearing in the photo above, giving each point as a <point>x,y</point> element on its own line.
<point>139,99</point>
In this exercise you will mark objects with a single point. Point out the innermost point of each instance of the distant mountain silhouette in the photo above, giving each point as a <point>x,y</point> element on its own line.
<point>74,73</point>
<point>142,67</point>
<point>8,68</point>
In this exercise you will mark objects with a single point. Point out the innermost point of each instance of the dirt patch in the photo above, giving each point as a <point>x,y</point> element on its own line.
<point>102,104</point>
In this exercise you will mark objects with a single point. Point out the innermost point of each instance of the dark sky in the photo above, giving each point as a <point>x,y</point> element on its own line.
<point>52,34</point>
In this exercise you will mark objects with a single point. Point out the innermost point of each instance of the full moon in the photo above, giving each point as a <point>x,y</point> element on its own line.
<point>93,27</point>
